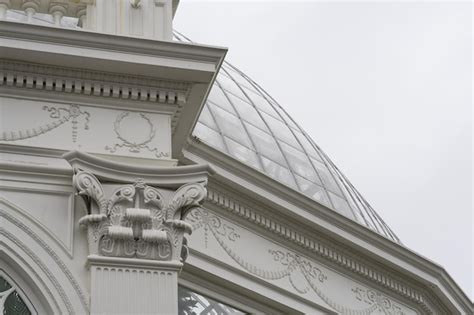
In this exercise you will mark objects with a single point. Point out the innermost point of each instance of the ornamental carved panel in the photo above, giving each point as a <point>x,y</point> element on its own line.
<point>71,126</point>
<point>137,220</point>
<point>287,269</point>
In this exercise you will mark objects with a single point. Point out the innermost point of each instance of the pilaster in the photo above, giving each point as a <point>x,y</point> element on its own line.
<point>133,286</point>
<point>135,231</point>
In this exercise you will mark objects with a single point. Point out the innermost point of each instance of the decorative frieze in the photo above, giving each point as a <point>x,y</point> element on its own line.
<point>67,126</point>
<point>331,253</point>
<point>307,277</point>
<point>376,299</point>
<point>60,115</point>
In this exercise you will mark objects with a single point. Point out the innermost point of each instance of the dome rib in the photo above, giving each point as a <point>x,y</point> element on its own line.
<point>269,140</point>
<point>291,130</point>
<point>243,125</point>
<point>268,128</point>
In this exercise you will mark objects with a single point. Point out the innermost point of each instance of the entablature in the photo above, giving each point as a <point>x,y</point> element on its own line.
<point>134,75</point>
<point>281,213</point>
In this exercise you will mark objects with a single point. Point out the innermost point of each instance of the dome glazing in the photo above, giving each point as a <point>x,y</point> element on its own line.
<point>241,120</point>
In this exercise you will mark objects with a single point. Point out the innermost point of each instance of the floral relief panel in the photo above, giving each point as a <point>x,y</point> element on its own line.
<point>219,238</point>
<point>70,126</point>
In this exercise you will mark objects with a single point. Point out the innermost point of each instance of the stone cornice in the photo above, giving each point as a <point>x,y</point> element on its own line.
<point>133,263</point>
<point>111,56</point>
<point>112,49</point>
<point>19,167</point>
<point>36,78</point>
<point>126,172</point>
<point>405,262</point>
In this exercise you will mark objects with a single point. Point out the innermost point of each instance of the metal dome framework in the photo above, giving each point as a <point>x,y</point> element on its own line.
<point>242,120</point>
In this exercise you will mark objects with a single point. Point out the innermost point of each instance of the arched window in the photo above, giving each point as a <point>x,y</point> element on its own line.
<point>193,303</point>
<point>12,299</point>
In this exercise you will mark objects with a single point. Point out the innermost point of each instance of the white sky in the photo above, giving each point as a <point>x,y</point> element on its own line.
<point>384,88</point>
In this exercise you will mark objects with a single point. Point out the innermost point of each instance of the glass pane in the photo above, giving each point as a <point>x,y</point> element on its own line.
<point>247,112</point>
<point>307,145</point>
<point>326,177</point>
<point>227,83</point>
<point>280,130</point>
<point>217,97</point>
<point>209,136</point>
<point>4,285</point>
<point>14,304</point>
<point>238,77</point>
<point>207,119</point>
<point>231,126</point>
<point>193,303</point>
<point>12,301</point>
<point>278,172</point>
<point>313,191</point>
<point>299,163</point>
<point>341,205</point>
<point>243,154</point>
<point>265,144</point>
<point>261,102</point>
<point>285,117</point>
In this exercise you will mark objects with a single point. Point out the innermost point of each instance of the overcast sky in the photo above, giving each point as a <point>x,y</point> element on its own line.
<point>385,90</point>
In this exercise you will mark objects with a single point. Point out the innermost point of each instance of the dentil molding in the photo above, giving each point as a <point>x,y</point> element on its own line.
<point>86,82</point>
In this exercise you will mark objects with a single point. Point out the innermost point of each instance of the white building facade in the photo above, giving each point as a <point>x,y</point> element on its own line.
<point>142,174</point>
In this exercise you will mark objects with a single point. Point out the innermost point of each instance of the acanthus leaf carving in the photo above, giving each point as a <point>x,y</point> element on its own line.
<point>136,220</point>
<point>89,187</point>
<point>185,199</point>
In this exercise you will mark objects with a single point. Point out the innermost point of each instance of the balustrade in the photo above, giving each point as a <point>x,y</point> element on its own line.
<point>139,18</point>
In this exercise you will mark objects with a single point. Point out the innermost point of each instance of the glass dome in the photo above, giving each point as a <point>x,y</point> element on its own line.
<point>241,120</point>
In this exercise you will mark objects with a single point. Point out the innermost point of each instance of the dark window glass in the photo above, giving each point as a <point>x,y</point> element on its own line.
<point>193,303</point>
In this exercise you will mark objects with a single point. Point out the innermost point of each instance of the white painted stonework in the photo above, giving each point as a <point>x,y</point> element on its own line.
<point>108,205</point>
<point>80,127</point>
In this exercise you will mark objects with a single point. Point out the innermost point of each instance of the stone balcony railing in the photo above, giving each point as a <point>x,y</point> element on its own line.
<point>139,18</point>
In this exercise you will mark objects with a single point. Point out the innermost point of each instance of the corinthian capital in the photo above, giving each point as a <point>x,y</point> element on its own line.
<point>136,217</point>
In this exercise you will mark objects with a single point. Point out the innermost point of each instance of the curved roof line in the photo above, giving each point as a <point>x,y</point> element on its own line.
<point>307,169</point>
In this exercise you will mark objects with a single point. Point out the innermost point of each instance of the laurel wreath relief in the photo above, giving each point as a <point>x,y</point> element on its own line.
<point>135,145</point>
